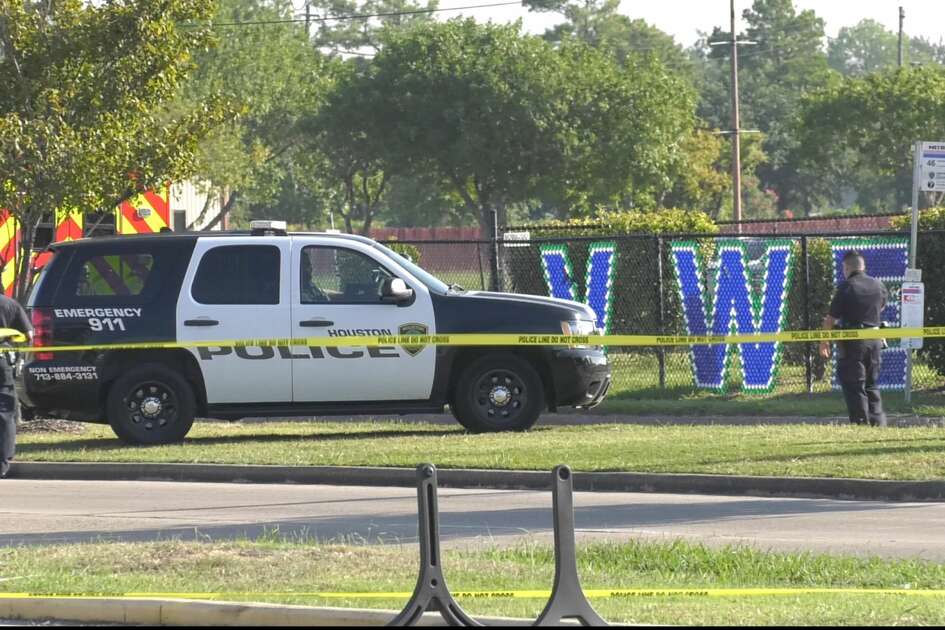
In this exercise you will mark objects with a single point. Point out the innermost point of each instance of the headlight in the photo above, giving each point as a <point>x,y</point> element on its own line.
<point>580,328</point>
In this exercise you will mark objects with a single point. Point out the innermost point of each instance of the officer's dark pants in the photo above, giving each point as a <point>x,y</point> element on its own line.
<point>858,373</point>
<point>7,416</point>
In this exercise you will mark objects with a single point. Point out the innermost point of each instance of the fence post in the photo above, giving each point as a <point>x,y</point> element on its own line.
<point>494,257</point>
<point>805,254</point>
<point>482,274</point>
<point>661,352</point>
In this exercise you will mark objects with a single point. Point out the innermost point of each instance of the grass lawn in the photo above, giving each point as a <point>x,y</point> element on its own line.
<point>239,570</point>
<point>685,402</point>
<point>783,450</point>
<point>636,391</point>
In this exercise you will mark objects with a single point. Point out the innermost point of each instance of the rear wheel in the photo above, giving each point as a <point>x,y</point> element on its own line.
<point>498,392</point>
<point>151,404</point>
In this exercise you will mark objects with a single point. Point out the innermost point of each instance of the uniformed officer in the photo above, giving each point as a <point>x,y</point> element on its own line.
<point>12,316</point>
<point>857,304</point>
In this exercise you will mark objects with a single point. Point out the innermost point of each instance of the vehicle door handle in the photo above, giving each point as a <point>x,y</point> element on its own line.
<point>201,322</point>
<point>316,323</point>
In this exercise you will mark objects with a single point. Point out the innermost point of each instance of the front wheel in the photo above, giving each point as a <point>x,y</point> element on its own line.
<point>498,392</point>
<point>150,404</point>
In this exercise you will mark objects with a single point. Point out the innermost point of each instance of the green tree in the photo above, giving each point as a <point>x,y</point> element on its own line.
<point>869,47</point>
<point>504,118</point>
<point>599,24</point>
<point>864,48</point>
<point>353,35</point>
<point>271,73</point>
<point>787,61</point>
<point>923,51</point>
<point>349,162</point>
<point>85,120</point>
<point>865,127</point>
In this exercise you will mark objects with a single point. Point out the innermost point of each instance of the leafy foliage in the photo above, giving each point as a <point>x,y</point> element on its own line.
<point>273,77</point>
<point>864,128</point>
<point>503,118</point>
<point>786,62</point>
<point>626,222</point>
<point>931,258</point>
<point>85,115</point>
<point>412,252</point>
<point>599,24</point>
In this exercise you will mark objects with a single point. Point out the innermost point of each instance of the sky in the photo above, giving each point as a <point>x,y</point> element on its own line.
<point>684,18</point>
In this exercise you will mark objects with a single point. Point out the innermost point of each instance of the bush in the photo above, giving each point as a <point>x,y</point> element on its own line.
<point>669,221</point>
<point>635,299</point>
<point>411,252</point>
<point>931,259</point>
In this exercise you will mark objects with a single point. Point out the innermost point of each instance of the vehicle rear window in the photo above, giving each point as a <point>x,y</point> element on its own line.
<point>118,274</point>
<point>113,274</point>
<point>238,274</point>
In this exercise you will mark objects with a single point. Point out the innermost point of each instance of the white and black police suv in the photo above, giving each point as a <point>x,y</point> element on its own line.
<point>266,283</point>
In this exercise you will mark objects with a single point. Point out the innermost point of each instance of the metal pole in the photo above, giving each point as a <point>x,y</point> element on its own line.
<point>913,249</point>
<point>482,274</point>
<point>736,138</point>
<point>494,258</point>
<point>914,228</point>
<point>805,254</point>
<point>661,352</point>
<point>902,17</point>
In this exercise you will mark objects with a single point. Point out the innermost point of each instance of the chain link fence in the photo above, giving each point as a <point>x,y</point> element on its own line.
<point>698,284</point>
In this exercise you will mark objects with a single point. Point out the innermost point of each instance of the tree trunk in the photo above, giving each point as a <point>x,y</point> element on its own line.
<point>203,211</point>
<point>223,212</point>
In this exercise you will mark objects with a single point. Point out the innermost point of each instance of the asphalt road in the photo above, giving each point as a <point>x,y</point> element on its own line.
<point>38,512</point>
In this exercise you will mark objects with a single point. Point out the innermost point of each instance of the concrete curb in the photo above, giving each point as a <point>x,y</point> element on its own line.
<point>861,489</point>
<point>185,612</point>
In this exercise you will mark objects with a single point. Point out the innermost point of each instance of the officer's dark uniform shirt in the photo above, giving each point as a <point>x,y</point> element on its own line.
<point>859,301</point>
<point>13,316</point>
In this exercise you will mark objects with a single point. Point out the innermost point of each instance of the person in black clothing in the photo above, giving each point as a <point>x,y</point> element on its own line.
<point>858,303</point>
<point>13,316</point>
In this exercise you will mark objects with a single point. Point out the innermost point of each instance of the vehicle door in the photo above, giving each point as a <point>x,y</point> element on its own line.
<point>336,291</point>
<point>236,289</point>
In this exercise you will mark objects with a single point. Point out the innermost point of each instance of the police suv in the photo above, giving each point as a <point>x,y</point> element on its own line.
<point>266,283</point>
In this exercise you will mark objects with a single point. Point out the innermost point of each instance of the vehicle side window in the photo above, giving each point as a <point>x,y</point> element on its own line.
<point>238,274</point>
<point>336,275</point>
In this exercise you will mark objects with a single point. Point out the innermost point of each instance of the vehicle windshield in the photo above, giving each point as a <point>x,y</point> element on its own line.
<point>432,282</point>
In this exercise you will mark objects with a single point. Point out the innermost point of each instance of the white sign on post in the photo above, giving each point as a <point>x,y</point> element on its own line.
<point>912,312</point>
<point>932,167</point>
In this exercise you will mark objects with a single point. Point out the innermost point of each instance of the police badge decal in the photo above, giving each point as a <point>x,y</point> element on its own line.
<point>413,329</point>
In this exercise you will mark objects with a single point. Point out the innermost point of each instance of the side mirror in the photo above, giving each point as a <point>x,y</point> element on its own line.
<point>395,291</point>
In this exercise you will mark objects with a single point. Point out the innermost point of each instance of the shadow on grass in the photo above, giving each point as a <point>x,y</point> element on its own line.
<point>107,444</point>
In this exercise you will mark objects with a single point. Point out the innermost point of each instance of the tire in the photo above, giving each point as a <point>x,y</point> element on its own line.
<point>150,404</point>
<point>483,385</point>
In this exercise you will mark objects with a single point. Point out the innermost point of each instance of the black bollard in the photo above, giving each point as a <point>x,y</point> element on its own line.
<point>567,597</point>
<point>431,592</point>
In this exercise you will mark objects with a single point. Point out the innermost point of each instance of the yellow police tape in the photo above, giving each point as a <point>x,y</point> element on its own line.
<point>620,593</point>
<point>504,339</point>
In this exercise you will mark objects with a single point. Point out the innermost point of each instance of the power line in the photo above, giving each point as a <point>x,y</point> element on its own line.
<point>361,16</point>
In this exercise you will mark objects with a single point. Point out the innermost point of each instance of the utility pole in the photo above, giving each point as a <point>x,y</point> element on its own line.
<point>736,130</point>
<point>902,18</point>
